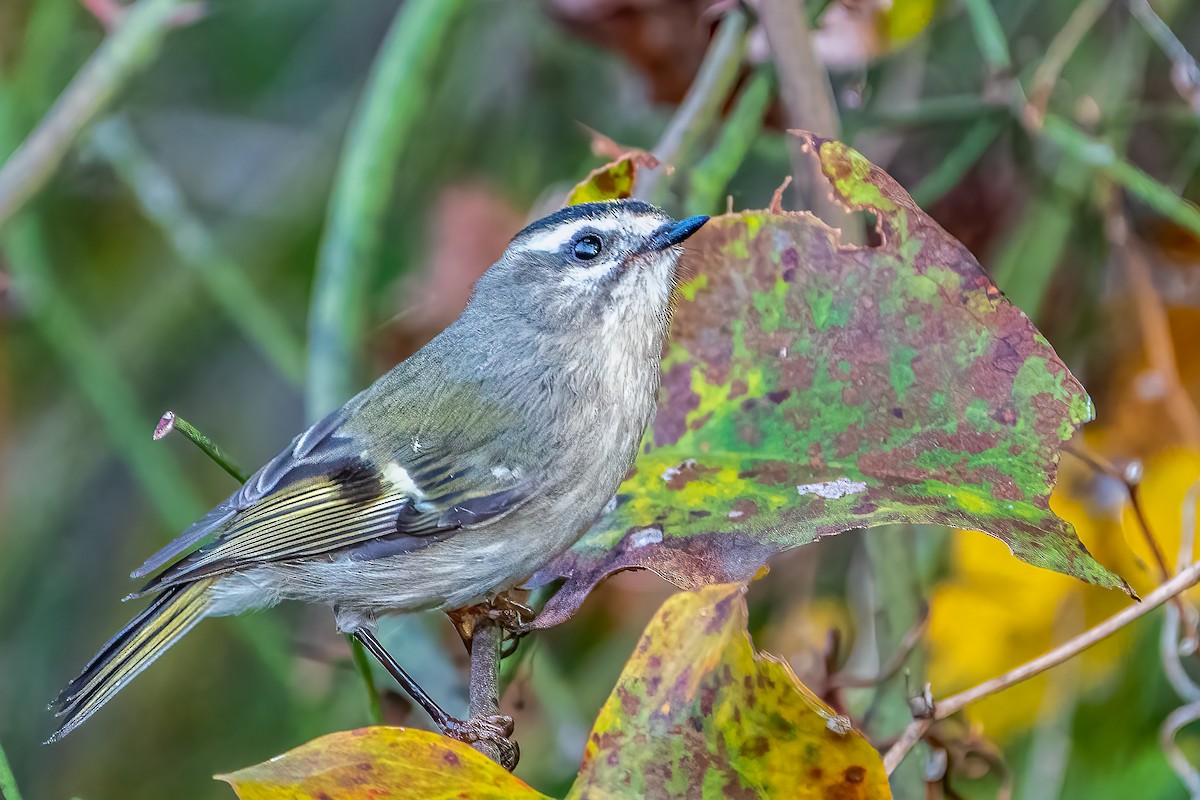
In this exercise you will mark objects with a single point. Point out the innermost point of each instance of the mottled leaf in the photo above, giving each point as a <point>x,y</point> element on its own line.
<point>697,712</point>
<point>810,388</point>
<point>613,181</point>
<point>379,764</point>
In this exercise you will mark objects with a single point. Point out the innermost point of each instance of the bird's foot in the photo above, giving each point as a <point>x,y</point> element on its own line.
<point>504,611</point>
<point>494,730</point>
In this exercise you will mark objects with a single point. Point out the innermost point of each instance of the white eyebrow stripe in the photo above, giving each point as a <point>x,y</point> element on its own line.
<point>550,241</point>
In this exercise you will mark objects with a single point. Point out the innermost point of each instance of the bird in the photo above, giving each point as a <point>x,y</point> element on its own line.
<point>456,475</point>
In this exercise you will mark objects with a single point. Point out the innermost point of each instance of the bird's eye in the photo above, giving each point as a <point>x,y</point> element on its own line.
<point>588,247</point>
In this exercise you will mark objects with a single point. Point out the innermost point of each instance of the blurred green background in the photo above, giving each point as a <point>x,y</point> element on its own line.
<point>169,264</point>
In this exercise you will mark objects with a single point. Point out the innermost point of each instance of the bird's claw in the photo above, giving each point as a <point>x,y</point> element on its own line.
<point>495,730</point>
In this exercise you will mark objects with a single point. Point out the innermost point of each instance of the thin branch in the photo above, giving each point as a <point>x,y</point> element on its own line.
<point>1185,72</point>
<point>485,679</point>
<point>132,46</point>
<point>710,176</point>
<point>701,105</point>
<point>171,421</point>
<point>394,100</point>
<point>807,103</point>
<point>1185,580</point>
<point>8,783</point>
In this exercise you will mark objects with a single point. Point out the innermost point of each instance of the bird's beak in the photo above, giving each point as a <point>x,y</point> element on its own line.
<point>673,233</point>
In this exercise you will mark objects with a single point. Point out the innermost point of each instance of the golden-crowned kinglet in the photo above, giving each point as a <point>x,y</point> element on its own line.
<point>455,476</point>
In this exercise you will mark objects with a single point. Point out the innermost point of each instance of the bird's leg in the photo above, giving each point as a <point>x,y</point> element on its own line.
<point>495,729</point>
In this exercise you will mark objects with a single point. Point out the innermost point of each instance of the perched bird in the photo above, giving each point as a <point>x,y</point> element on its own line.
<point>457,475</point>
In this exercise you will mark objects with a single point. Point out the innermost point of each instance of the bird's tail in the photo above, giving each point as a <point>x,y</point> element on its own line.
<point>145,638</point>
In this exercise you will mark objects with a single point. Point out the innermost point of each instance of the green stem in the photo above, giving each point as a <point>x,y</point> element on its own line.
<point>131,47</point>
<point>712,174</point>
<point>989,34</point>
<point>173,422</point>
<point>164,204</point>
<point>8,783</point>
<point>1102,157</point>
<point>396,96</point>
<point>701,106</point>
<point>362,663</point>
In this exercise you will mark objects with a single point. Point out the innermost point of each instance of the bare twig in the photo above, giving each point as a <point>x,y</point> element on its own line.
<point>131,47</point>
<point>1172,652</point>
<point>701,106</point>
<point>1185,72</point>
<point>485,679</point>
<point>893,665</point>
<point>807,102</point>
<point>1186,579</point>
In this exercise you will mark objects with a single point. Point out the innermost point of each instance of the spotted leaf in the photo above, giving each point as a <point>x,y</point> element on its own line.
<point>811,387</point>
<point>697,712</point>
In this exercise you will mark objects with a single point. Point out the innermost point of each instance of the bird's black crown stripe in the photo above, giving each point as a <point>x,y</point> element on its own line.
<point>587,211</point>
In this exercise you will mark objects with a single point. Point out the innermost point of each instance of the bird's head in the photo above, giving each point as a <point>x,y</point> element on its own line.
<point>590,268</point>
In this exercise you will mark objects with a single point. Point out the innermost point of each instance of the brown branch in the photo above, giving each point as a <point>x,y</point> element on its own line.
<point>485,679</point>
<point>807,104</point>
<point>1067,650</point>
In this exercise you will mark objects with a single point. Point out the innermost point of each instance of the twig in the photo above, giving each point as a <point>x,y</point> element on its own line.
<point>162,202</point>
<point>893,665</point>
<point>131,47</point>
<point>394,100</point>
<point>1175,722</point>
<point>1186,579</point>
<point>8,783</point>
<point>701,105</point>
<point>807,103</point>
<point>485,679</point>
<point>1172,654</point>
<point>1185,72</point>
<point>171,421</point>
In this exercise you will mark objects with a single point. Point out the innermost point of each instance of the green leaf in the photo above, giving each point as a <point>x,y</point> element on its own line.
<point>811,388</point>
<point>697,712</point>
<point>379,764</point>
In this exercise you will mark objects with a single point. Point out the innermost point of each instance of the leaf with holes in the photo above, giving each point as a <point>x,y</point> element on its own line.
<point>380,764</point>
<point>698,712</point>
<point>810,388</point>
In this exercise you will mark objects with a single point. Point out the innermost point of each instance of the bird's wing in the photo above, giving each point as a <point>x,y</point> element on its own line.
<point>326,493</point>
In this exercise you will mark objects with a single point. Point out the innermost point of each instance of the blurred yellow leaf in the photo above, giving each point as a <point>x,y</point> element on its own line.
<point>994,613</point>
<point>379,764</point>
<point>698,712</point>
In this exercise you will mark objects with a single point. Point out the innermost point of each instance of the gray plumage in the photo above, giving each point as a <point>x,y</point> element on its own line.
<point>460,472</point>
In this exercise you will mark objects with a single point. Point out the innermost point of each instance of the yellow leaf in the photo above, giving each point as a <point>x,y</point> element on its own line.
<point>379,764</point>
<point>698,712</point>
